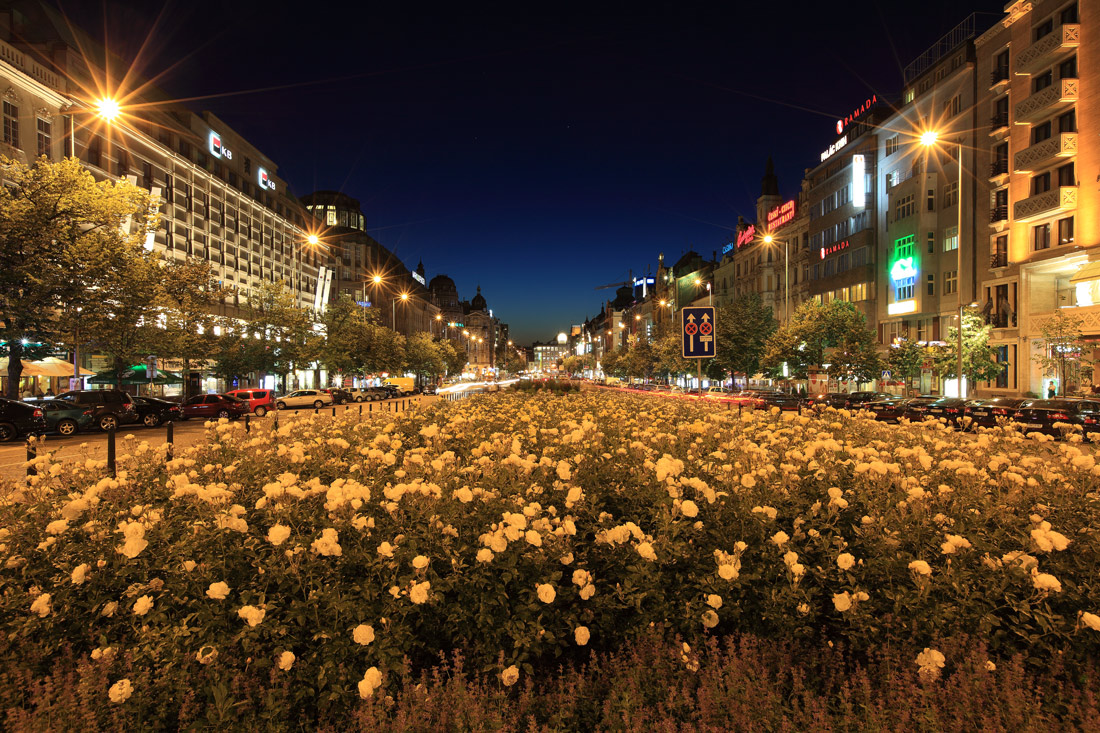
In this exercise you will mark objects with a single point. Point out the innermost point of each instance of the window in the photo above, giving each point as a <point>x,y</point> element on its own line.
<point>1068,68</point>
<point>904,206</point>
<point>950,282</point>
<point>1065,230</point>
<point>903,289</point>
<point>931,242</point>
<point>1000,66</point>
<point>1040,183</point>
<point>94,154</point>
<point>909,95</point>
<point>951,239</point>
<point>1040,237</point>
<point>11,124</point>
<point>931,284</point>
<point>1042,81</point>
<point>859,257</point>
<point>1002,358</point>
<point>1000,251</point>
<point>892,145</point>
<point>185,149</point>
<point>1068,122</point>
<point>931,199</point>
<point>247,166</point>
<point>45,137</point>
<point>1000,111</point>
<point>1039,133</point>
<point>147,176</point>
<point>1066,176</point>
<point>1043,29</point>
<point>952,106</point>
<point>951,194</point>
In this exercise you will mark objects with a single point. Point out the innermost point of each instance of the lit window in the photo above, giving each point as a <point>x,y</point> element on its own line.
<point>951,239</point>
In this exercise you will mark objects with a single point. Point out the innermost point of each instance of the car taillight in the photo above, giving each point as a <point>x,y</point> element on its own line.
<point>952,410</point>
<point>1090,421</point>
<point>1059,416</point>
<point>39,413</point>
<point>1000,411</point>
<point>88,413</point>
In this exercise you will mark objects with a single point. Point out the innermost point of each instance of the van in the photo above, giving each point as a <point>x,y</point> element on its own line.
<point>407,385</point>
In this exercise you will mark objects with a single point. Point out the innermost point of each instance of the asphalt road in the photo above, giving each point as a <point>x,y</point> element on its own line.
<point>93,445</point>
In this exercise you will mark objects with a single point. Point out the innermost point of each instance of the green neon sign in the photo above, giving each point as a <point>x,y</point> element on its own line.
<point>903,269</point>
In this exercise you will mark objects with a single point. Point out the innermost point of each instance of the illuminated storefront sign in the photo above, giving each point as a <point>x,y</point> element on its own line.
<point>828,152</point>
<point>903,269</point>
<point>363,303</point>
<point>746,236</point>
<point>833,248</point>
<point>902,307</point>
<point>858,112</point>
<point>419,278</point>
<point>728,247</point>
<point>264,180</point>
<point>859,182</point>
<point>217,149</point>
<point>781,214</point>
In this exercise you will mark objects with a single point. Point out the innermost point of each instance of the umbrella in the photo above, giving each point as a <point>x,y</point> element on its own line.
<point>137,374</point>
<point>48,367</point>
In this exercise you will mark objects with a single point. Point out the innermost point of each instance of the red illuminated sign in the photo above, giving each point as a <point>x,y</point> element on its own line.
<point>833,248</point>
<point>781,214</point>
<point>746,236</point>
<point>856,114</point>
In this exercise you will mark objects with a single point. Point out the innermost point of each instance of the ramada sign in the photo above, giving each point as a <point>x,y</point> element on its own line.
<point>781,214</point>
<point>856,114</point>
<point>832,248</point>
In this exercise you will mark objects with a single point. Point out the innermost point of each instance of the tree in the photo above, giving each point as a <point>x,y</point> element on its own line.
<point>742,330</point>
<point>190,295</point>
<point>979,358</point>
<point>1064,351</point>
<point>669,351</point>
<point>640,360</point>
<point>613,363</point>
<point>514,363</point>
<point>283,328</point>
<point>834,333</point>
<point>385,350</point>
<point>423,357</point>
<point>343,339</point>
<point>453,358</point>
<point>905,359</point>
<point>47,211</point>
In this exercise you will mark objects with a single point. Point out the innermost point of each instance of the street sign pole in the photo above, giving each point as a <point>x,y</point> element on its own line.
<point>698,336</point>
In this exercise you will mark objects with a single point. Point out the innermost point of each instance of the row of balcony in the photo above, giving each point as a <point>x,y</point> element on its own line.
<point>1057,97</point>
<point>1048,203</point>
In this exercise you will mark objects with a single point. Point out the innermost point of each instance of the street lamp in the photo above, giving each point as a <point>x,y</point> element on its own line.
<point>768,239</point>
<point>404,297</point>
<point>929,139</point>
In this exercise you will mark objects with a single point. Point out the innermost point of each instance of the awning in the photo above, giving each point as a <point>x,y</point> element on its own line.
<point>1091,271</point>
<point>48,367</point>
<point>136,374</point>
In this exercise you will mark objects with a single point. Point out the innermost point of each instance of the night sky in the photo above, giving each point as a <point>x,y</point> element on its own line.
<point>539,150</point>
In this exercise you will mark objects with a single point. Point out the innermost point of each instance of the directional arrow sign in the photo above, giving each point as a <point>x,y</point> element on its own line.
<point>697,331</point>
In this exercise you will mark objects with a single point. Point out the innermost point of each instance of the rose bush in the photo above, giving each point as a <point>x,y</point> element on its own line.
<point>523,528</point>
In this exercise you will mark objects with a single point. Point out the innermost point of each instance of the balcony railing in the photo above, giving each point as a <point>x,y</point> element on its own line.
<point>998,167</point>
<point>999,259</point>
<point>1049,49</point>
<point>1040,154</point>
<point>997,121</point>
<point>1056,200</point>
<point>998,75</point>
<point>1001,320</point>
<point>998,213</point>
<point>1046,102</point>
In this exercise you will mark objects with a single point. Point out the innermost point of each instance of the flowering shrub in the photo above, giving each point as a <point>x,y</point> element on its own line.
<point>521,529</point>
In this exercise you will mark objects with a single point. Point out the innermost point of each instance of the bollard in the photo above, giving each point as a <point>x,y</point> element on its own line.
<point>360,409</point>
<point>739,406</point>
<point>347,407</point>
<point>334,411</point>
<point>370,407</point>
<point>170,438</point>
<point>247,424</point>
<point>111,452</point>
<point>276,426</point>
<point>316,410</point>
<point>32,453</point>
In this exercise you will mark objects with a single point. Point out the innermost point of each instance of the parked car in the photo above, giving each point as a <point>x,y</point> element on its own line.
<point>304,398</point>
<point>22,418</point>
<point>782,400</point>
<point>428,389</point>
<point>948,408</point>
<point>992,412</point>
<point>888,410</point>
<point>339,395</point>
<point>406,385</point>
<point>916,408</point>
<point>152,411</point>
<point>751,397</point>
<point>213,406</point>
<point>362,394</point>
<point>717,393</point>
<point>110,407</point>
<point>260,401</point>
<point>391,391</point>
<point>1042,415</point>
<point>827,399</point>
<point>856,400</point>
<point>380,393</point>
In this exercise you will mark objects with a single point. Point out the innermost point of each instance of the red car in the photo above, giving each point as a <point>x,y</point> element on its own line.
<point>212,406</point>
<point>260,401</point>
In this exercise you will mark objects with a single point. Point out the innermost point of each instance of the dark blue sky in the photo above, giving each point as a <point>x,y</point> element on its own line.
<point>539,150</point>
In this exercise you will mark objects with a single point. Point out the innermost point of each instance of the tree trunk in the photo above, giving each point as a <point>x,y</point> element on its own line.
<point>15,367</point>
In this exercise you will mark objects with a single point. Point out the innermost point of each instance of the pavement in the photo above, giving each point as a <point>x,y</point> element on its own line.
<point>81,447</point>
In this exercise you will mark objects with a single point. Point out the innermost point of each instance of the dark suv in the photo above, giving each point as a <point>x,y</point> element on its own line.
<point>110,407</point>
<point>340,396</point>
<point>18,418</point>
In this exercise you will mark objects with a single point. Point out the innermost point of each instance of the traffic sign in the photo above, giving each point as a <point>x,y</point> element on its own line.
<point>697,331</point>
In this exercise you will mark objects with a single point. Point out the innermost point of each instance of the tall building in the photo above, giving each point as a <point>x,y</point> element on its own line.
<point>1039,78</point>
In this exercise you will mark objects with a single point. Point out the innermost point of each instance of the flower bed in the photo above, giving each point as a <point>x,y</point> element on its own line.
<point>529,530</point>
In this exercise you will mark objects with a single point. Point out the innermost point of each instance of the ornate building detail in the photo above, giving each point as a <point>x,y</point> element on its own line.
<point>1029,159</point>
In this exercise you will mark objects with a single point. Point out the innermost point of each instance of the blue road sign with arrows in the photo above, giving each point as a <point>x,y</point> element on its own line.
<point>697,330</point>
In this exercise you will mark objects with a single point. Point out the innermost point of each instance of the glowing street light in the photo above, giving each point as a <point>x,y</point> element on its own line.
<point>769,239</point>
<point>107,108</point>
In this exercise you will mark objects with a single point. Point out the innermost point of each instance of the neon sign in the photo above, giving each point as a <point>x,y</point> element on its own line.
<point>903,269</point>
<point>856,114</point>
<point>746,236</point>
<point>781,214</point>
<point>216,147</point>
<point>901,307</point>
<point>728,247</point>
<point>418,277</point>
<point>833,248</point>
<point>828,152</point>
<point>264,180</point>
<point>859,182</point>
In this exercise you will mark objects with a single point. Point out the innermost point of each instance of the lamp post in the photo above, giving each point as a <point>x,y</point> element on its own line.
<point>769,239</point>
<point>404,297</point>
<point>928,139</point>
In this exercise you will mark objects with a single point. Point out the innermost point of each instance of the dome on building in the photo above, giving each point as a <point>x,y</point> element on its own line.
<point>478,303</point>
<point>445,293</point>
<point>441,282</point>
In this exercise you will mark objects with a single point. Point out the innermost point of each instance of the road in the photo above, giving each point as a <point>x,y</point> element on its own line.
<point>93,445</point>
